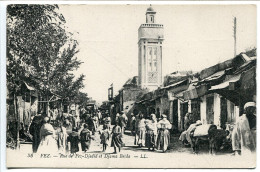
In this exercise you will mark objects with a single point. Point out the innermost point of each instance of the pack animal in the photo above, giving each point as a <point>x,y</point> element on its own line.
<point>215,139</point>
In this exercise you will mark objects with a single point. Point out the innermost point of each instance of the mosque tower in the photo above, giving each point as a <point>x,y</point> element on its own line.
<point>150,39</point>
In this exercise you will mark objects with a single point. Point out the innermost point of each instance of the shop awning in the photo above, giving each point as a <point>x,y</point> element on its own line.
<point>175,95</point>
<point>176,84</point>
<point>227,83</point>
<point>216,75</point>
<point>195,92</point>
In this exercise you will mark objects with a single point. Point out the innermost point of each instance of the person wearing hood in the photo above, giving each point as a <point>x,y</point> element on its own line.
<point>47,135</point>
<point>151,132</point>
<point>244,132</point>
<point>163,139</point>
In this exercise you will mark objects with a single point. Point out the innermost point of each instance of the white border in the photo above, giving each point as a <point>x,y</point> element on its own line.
<point>3,5</point>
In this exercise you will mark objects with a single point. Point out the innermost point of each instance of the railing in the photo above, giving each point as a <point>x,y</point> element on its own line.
<point>151,25</point>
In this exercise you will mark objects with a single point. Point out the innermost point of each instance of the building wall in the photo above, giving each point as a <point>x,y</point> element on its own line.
<point>203,110</point>
<point>130,94</point>
<point>165,106</point>
<point>179,116</point>
<point>232,111</point>
<point>217,110</point>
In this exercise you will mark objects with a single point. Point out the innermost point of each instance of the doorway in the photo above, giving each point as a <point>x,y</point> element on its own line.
<point>210,110</point>
<point>223,112</point>
<point>184,110</point>
<point>175,114</point>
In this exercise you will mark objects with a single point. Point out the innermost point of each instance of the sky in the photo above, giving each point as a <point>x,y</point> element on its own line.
<point>196,37</point>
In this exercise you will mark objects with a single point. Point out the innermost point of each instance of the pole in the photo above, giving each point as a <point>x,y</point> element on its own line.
<point>18,123</point>
<point>30,112</point>
<point>235,36</point>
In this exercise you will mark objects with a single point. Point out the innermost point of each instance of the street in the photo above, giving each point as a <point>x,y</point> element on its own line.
<point>129,148</point>
<point>177,156</point>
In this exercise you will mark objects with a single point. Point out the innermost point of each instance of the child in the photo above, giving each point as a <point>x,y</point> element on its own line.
<point>104,137</point>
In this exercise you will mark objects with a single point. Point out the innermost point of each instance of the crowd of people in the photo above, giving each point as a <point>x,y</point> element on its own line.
<point>150,132</point>
<point>65,133</point>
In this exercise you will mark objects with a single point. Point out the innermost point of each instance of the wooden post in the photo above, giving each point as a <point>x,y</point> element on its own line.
<point>235,35</point>
<point>30,111</point>
<point>18,121</point>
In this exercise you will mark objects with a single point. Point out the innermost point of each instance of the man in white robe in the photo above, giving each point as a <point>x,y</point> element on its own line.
<point>244,132</point>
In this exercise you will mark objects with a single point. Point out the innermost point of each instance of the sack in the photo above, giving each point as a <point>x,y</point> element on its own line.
<point>202,130</point>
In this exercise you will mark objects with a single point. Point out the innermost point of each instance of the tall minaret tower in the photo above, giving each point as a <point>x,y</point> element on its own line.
<point>150,38</point>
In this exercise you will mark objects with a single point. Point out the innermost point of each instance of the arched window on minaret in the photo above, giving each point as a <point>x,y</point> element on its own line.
<point>152,19</point>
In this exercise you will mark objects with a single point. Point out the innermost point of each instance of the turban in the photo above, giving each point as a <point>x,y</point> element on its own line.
<point>250,104</point>
<point>46,119</point>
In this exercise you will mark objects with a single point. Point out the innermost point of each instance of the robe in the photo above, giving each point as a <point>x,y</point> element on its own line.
<point>85,139</point>
<point>244,136</point>
<point>140,133</point>
<point>62,141</point>
<point>151,134</point>
<point>74,142</point>
<point>163,139</point>
<point>48,143</point>
<point>34,130</point>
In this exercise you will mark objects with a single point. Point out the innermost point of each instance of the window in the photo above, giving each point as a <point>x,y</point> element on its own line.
<point>152,19</point>
<point>149,59</point>
<point>155,59</point>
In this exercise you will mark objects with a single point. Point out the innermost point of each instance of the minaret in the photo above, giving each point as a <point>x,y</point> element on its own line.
<point>150,39</point>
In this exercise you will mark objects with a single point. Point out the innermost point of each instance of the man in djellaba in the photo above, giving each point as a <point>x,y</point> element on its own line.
<point>244,132</point>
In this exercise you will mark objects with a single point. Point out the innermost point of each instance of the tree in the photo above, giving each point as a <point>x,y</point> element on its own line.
<point>39,39</point>
<point>82,99</point>
<point>41,52</point>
